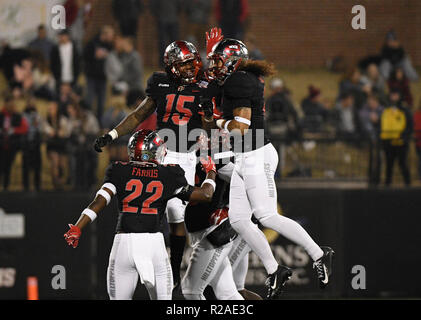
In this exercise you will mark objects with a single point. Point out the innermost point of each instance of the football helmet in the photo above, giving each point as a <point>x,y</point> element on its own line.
<point>225,58</point>
<point>179,53</point>
<point>146,146</point>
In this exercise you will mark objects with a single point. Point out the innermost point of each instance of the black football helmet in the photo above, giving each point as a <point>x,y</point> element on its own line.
<point>230,52</point>
<point>146,146</point>
<point>180,52</point>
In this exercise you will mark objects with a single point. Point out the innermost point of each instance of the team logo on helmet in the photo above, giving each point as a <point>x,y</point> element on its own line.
<point>230,52</point>
<point>146,146</point>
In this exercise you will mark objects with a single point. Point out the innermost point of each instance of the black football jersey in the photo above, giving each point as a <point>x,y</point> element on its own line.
<point>197,216</point>
<point>177,109</point>
<point>143,190</point>
<point>245,89</point>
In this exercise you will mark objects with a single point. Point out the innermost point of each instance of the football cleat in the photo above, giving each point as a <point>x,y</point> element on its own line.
<point>276,281</point>
<point>323,266</point>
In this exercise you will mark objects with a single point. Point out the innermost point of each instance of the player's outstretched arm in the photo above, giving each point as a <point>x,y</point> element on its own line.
<point>128,124</point>
<point>88,215</point>
<point>204,193</point>
<point>240,122</point>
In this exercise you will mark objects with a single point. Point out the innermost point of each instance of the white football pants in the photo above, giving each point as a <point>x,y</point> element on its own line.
<point>139,254</point>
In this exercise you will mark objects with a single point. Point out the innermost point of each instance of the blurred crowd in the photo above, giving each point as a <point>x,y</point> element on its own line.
<point>374,106</point>
<point>89,85</point>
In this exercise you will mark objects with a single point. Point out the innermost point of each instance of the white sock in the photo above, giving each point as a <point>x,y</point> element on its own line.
<point>293,231</point>
<point>257,242</point>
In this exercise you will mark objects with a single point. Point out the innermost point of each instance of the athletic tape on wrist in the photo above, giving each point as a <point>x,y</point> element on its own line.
<point>105,194</point>
<point>90,213</point>
<point>110,186</point>
<point>211,182</point>
<point>242,120</point>
<point>226,125</point>
<point>113,133</point>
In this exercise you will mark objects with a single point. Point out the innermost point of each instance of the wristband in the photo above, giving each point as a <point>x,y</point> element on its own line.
<point>219,123</point>
<point>104,194</point>
<point>113,133</point>
<point>110,186</point>
<point>242,120</point>
<point>90,213</point>
<point>211,182</point>
<point>226,125</point>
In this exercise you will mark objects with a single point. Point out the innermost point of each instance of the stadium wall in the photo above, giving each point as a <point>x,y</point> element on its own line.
<point>376,229</point>
<point>303,33</point>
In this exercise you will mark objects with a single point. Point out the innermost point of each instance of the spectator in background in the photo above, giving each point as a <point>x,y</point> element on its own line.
<point>232,17</point>
<point>254,51</point>
<point>370,117</point>
<point>11,57</point>
<point>65,60</point>
<point>396,127</point>
<point>370,126</point>
<point>84,128</point>
<point>78,13</point>
<point>346,117</point>
<point>13,128</point>
<point>393,55</point>
<point>315,112</point>
<point>95,54</point>
<point>57,130</point>
<point>66,96</point>
<point>353,84</point>
<point>282,117</point>
<point>167,18</point>
<point>32,147</point>
<point>114,115</point>
<point>417,129</point>
<point>124,66</point>
<point>198,13</point>
<point>375,80</point>
<point>399,82</point>
<point>127,13</point>
<point>42,44</point>
<point>43,81</point>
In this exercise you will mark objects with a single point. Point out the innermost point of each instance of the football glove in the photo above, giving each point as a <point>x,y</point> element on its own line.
<point>213,38</point>
<point>102,141</point>
<point>206,107</point>
<point>72,236</point>
<point>207,164</point>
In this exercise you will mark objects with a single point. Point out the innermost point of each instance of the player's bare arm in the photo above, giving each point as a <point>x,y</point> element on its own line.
<point>205,192</point>
<point>88,215</point>
<point>128,124</point>
<point>239,124</point>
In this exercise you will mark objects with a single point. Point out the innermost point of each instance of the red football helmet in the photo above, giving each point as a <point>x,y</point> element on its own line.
<point>225,58</point>
<point>177,58</point>
<point>146,146</point>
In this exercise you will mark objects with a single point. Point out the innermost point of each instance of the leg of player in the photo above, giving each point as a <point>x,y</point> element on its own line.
<point>122,276</point>
<point>240,217</point>
<point>204,264</point>
<point>262,194</point>
<point>239,259</point>
<point>223,283</point>
<point>177,244</point>
<point>163,274</point>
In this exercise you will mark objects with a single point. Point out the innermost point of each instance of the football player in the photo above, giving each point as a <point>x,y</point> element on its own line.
<point>143,187</point>
<point>175,95</point>
<point>253,188</point>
